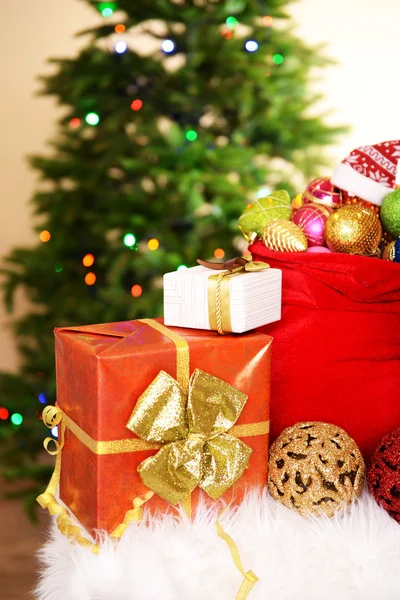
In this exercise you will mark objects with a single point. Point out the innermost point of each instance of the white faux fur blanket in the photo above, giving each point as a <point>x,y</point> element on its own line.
<point>352,557</point>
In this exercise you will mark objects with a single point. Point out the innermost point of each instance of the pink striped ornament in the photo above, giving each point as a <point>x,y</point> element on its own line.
<point>311,218</point>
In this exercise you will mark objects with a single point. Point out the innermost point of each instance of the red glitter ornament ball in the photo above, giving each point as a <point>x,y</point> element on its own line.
<point>383,476</point>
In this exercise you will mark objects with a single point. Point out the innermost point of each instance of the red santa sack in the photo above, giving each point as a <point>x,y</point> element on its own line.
<point>336,351</point>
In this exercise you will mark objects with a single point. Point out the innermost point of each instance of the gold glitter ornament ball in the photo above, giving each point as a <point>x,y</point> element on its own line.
<point>353,229</point>
<point>315,467</point>
<point>256,215</point>
<point>284,236</point>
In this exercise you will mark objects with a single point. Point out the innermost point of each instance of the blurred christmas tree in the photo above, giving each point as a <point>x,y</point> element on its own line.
<point>175,112</point>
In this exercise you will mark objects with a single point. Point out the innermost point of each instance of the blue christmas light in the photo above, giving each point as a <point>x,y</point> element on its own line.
<point>168,46</point>
<point>251,46</point>
<point>54,432</point>
<point>42,398</point>
<point>120,47</point>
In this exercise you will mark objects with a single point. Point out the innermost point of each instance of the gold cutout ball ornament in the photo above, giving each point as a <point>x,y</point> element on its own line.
<point>263,210</point>
<point>353,229</point>
<point>315,468</point>
<point>284,236</point>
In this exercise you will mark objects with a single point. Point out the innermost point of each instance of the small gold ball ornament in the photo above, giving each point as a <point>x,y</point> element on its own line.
<point>353,229</point>
<point>315,467</point>
<point>284,236</point>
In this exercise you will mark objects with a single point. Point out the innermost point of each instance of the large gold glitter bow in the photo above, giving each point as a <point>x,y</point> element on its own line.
<point>193,429</point>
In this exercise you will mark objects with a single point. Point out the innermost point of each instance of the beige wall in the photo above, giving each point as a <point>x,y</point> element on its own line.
<point>363,91</point>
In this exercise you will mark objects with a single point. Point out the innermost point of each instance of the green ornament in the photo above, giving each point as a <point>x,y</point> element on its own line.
<point>255,217</point>
<point>390,213</point>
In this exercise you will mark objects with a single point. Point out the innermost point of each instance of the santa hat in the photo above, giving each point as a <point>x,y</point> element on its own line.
<point>369,171</point>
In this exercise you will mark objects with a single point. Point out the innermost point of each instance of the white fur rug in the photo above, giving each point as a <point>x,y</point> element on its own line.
<point>352,557</point>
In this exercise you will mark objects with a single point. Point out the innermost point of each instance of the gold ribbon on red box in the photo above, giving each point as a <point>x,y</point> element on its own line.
<point>192,423</point>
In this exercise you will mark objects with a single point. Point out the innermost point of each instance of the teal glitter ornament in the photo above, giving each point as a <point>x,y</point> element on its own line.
<point>390,213</point>
<point>257,215</point>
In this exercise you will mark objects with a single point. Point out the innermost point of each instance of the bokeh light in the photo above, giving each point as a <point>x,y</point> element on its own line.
<point>251,46</point>
<point>219,253</point>
<point>92,118</point>
<point>267,20</point>
<point>153,244</point>
<point>278,59</point>
<point>136,290</point>
<point>88,260</point>
<point>42,398</point>
<point>107,12</point>
<point>120,28</point>
<point>168,46</point>
<point>16,419</point>
<point>129,240</point>
<point>90,278</point>
<point>136,104</point>
<point>54,431</point>
<point>74,123</point>
<point>120,47</point>
<point>182,268</point>
<point>231,22</point>
<point>263,192</point>
<point>191,135</point>
<point>4,414</point>
<point>45,236</point>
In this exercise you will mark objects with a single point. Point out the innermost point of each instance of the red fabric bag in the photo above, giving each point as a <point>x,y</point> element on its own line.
<point>336,355</point>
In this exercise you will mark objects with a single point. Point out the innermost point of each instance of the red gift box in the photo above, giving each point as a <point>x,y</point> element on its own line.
<point>102,370</point>
<point>337,348</point>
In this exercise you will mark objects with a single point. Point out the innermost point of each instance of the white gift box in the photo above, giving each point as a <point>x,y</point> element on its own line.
<point>254,298</point>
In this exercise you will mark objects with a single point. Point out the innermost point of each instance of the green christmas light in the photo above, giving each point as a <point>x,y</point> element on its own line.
<point>278,59</point>
<point>58,268</point>
<point>16,419</point>
<point>129,240</point>
<point>92,118</point>
<point>191,135</point>
<point>182,268</point>
<point>231,22</point>
<point>107,8</point>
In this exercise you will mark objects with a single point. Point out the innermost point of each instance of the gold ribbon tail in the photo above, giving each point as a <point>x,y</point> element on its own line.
<point>54,416</point>
<point>250,578</point>
<point>135,514</point>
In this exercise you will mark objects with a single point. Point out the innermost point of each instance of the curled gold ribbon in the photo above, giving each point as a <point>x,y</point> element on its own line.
<point>197,449</point>
<point>219,289</point>
<point>249,577</point>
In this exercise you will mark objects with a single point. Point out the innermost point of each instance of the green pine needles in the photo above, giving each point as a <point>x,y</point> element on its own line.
<point>172,125</point>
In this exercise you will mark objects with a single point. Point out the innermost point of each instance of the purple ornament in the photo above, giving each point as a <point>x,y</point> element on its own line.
<point>311,218</point>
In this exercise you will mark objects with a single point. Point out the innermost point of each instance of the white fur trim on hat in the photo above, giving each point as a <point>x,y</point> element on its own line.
<point>346,178</point>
